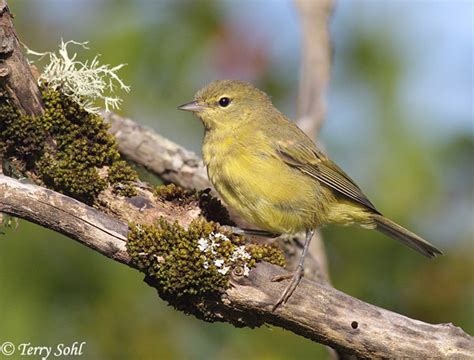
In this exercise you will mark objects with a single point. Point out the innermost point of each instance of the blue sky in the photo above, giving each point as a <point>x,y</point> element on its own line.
<point>434,38</point>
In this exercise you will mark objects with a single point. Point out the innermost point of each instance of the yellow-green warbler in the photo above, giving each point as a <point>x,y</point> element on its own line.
<point>274,176</point>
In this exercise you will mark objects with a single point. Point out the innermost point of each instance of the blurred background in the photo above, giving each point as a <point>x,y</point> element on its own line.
<point>400,121</point>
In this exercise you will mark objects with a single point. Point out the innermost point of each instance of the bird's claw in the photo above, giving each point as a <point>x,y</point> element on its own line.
<point>279,278</point>
<point>290,288</point>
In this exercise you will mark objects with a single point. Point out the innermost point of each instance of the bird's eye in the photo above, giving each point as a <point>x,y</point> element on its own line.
<point>224,101</point>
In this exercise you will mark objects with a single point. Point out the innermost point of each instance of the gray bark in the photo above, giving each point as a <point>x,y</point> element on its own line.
<point>318,312</point>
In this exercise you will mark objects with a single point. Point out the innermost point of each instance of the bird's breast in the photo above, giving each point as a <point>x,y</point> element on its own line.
<point>261,187</point>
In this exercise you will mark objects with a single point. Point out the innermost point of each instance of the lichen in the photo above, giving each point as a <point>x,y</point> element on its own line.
<point>194,262</point>
<point>84,82</point>
<point>67,149</point>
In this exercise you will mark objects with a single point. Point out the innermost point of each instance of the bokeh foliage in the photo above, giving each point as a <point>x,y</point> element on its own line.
<point>53,290</point>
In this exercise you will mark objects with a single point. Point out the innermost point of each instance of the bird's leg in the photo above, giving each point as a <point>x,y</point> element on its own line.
<point>238,231</point>
<point>296,276</point>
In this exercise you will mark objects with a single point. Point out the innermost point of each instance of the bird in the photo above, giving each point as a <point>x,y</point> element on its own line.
<point>275,177</point>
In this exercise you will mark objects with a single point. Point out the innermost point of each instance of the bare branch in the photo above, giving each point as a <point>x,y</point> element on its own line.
<point>315,63</point>
<point>315,311</point>
<point>65,215</point>
<point>163,157</point>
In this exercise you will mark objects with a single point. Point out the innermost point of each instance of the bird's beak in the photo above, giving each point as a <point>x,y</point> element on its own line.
<point>191,106</point>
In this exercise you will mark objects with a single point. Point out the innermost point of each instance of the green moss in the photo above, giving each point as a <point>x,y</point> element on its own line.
<point>264,252</point>
<point>211,207</point>
<point>19,134</point>
<point>172,192</point>
<point>66,148</point>
<point>121,176</point>
<point>196,261</point>
<point>62,175</point>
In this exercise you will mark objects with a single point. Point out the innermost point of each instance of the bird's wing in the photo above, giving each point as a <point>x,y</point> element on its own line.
<point>308,159</point>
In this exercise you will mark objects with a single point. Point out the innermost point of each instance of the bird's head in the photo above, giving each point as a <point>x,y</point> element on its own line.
<point>227,104</point>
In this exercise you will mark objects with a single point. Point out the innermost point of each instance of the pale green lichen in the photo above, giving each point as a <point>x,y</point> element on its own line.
<point>84,82</point>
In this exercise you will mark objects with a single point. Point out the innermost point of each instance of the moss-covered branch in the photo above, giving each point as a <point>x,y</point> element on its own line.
<point>66,148</point>
<point>315,311</point>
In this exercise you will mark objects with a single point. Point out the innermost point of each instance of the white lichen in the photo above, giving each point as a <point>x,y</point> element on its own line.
<point>139,229</point>
<point>219,236</point>
<point>239,255</point>
<point>246,270</point>
<point>219,262</point>
<point>86,83</point>
<point>203,245</point>
<point>224,270</point>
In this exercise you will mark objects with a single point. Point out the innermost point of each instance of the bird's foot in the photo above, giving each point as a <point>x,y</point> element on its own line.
<point>291,287</point>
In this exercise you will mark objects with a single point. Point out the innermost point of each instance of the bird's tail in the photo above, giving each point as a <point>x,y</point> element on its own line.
<point>406,237</point>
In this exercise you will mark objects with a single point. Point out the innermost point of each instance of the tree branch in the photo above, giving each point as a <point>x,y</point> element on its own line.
<point>65,215</point>
<point>15,73</point>
<point>315,311</point>
<point>161,156</point>
<point>315,63</point>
